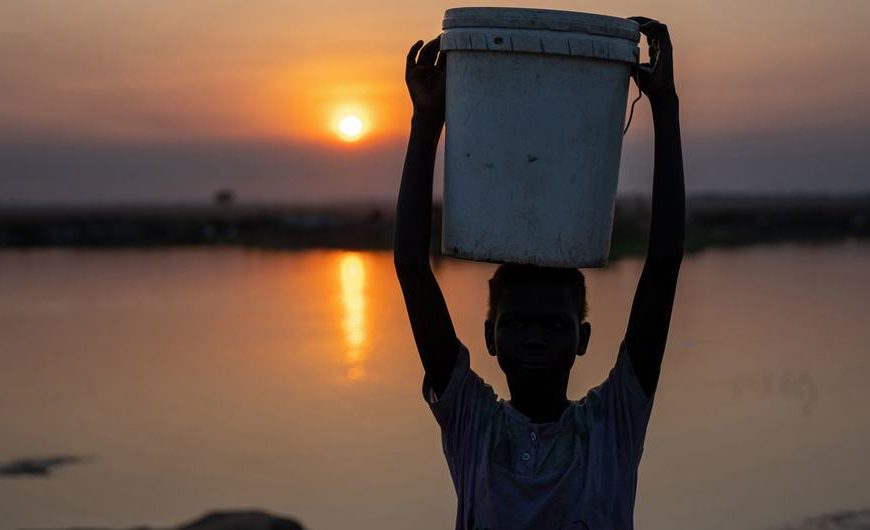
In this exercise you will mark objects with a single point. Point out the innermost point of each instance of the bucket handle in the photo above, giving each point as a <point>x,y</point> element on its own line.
<point>655,65</point>
<point>631,112</point>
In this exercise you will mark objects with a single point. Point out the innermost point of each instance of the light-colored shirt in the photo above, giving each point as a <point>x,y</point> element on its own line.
<point>578,473</point>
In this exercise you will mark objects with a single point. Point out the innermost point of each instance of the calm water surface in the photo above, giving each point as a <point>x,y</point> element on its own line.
<point>200,379</point>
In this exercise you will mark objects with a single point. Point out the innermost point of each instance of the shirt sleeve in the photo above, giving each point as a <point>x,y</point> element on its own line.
<point>462,411</point>
<point>626,408</point>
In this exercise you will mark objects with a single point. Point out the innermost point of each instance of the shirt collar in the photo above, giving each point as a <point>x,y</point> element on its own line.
<point>542,428</point>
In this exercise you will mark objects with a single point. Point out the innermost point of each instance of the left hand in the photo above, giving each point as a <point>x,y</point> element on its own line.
<point>656,78</point>
<point>426,79</point>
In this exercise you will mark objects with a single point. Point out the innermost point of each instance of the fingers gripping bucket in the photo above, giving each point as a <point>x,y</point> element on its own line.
<point>535,109</point>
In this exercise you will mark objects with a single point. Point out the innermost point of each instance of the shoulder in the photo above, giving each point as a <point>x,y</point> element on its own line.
<point>627,377</point>
<point>465,388</point>
<point>620,393</point>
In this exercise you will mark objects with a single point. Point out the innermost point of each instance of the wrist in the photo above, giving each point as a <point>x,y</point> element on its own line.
<point>425,125</point>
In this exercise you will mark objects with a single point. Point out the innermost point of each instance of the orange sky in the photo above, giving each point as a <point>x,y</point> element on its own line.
<point>151,70</point>
<point>146,72</point>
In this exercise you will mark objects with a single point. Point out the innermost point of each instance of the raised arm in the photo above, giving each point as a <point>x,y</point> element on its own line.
<point>650,317</point>
<point>433,330</point>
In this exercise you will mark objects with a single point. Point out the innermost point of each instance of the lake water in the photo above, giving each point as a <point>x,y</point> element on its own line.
<point>220,378</point>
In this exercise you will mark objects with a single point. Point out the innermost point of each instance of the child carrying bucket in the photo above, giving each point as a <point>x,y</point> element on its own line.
<point>540,460</point>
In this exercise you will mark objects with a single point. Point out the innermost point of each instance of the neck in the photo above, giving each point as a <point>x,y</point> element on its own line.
<point>540,403</point>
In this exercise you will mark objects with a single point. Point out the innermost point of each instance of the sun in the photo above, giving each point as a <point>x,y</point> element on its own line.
<point>350,127</point>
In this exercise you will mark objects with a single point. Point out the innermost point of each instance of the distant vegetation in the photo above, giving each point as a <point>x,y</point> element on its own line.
<point>712,221</point>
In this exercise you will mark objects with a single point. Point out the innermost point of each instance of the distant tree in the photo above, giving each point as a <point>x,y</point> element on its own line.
<point>224,197</point>
<point>375,215</point>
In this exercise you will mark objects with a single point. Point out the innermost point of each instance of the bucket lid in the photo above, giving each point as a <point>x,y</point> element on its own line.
<point>545,19</point>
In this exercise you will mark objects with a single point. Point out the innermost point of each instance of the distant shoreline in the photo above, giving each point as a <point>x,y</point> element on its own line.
<point>712,221</point>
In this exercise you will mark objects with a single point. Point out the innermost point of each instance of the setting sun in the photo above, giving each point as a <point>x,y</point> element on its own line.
<point>350,127</point>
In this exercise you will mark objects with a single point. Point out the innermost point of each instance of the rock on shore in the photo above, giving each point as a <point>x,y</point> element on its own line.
<point>230,520</point>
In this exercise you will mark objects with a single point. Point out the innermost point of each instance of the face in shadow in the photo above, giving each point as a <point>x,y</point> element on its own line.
<point>536,333</point>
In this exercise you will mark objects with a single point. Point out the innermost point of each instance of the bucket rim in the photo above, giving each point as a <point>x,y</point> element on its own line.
<point>543,19</point>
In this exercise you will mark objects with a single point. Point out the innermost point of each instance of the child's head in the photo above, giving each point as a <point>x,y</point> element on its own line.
<point>536,324</point>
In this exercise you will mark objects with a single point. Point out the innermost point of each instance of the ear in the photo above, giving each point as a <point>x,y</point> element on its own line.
<point>585,333</point>
<point>489,335</point>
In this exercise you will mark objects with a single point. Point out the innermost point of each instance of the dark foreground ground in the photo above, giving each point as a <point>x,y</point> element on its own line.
<point>712,221</point>
<point>229,520</point>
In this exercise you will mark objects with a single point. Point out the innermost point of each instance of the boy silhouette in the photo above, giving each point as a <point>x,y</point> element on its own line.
<point>541,460</point>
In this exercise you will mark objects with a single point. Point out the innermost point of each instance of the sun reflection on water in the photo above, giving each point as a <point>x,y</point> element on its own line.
<point>353,276</point>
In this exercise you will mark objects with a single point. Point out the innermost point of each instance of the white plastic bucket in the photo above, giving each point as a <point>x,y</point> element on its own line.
<point>535,110</point>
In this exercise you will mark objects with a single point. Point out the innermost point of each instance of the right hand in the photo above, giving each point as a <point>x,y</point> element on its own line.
<point>425,78</point>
